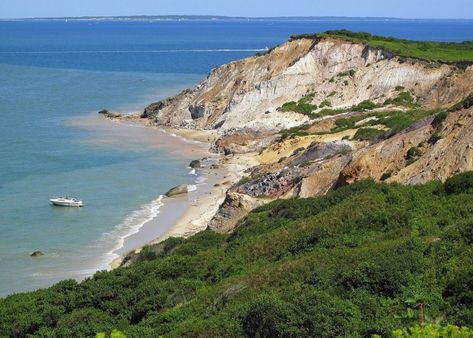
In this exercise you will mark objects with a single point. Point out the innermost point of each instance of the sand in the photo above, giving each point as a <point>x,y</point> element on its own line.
<point>188,214</point>
<point>200,212</point>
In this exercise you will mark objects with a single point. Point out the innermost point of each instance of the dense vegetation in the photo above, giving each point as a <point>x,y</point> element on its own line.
<point>427,50</point>
<point>365,259</point>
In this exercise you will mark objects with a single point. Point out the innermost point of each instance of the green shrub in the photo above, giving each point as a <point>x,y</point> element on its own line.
<point>146,254</point>
<point>404,99</point>
<point>368,134</point>
<point>413,154</point>
<point>325,103</point>
<point>461,183</point>
<point>350,72</point>
<point>302,106</point>
<point>466,103</point>
<point>386,175</point>
<point>365,105</point>
<point>436,136</point>
<point>269,316</point>
<point>439,118</point>
<point>434,331</point>
<point>295,131</point>
<point>84,323</point>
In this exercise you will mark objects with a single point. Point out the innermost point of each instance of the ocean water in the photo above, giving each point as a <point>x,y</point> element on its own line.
<point>55,73</point>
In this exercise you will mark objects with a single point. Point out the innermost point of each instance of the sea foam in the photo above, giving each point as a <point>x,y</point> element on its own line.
<point>132,224</point>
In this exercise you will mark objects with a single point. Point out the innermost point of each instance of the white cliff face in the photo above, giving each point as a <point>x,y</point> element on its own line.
<point>247,93</point>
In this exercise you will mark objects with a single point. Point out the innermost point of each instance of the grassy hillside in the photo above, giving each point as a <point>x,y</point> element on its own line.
<point>359,261</point>
<point>427,50</point>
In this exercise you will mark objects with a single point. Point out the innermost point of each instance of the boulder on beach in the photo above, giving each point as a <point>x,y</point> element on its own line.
<point>179,190</point>
<point>109,114</point>
<point>37,254</point>
<point>195,164</point>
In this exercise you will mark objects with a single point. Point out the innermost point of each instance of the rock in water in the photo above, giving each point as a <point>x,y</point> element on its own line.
<point>37,254</point>
<point>109,114</point>
<point>195,164</point>
<point>179,190</point>
<point>104,112</point>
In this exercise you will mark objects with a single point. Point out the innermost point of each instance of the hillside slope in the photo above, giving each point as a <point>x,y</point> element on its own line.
<point>355,262</point>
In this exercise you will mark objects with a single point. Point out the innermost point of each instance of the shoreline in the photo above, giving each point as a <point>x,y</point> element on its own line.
<point>220,173</point>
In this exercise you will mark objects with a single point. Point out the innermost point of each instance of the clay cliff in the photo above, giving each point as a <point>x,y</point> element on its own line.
<point>248,92</point>
<point>318,113</point>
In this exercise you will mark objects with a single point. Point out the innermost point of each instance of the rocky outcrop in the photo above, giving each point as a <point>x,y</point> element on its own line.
<point>243,140</point>
<point>109,114</point>
<point>451,154</point>
<point>153,109</point>
<point>235,207</point>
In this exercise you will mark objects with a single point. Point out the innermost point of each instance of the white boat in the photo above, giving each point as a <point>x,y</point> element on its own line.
<point>66,202</point>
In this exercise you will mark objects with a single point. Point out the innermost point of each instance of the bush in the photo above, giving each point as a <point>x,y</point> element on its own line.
<point>466,103</point>
<point>386,175</point>
<point>350,72</point>
<point>413,154</point>
<point>147,254</point>
<point>368,134</point>
<point>439,118</point>
<point>295,131</point>
<point>436,136</point>
<point>324,315</point>
<point>404,99</point>
<point>84,323</point>
<point>303,106</point>
<point>325,103</point>
<point>434,331</point>
<point>365,105</point>
<point>269,316</point>
<point>461,183</point>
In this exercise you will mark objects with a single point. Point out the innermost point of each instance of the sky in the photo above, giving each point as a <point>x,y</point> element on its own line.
<point>449,9</point>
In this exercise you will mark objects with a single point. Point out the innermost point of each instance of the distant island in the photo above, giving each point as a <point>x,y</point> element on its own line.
<point>217,18</point>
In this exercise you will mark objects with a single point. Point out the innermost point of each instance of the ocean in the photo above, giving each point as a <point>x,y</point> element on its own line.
<point>56,75</point>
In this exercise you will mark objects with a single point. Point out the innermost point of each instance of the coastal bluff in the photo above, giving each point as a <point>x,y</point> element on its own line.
<point>325,110</point>
<point>334,70</point>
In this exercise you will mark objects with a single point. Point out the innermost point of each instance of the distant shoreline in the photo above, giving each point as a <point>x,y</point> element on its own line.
<point>226,18</point>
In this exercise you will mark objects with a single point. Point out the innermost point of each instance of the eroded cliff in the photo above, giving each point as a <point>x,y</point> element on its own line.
<point>322,112</point>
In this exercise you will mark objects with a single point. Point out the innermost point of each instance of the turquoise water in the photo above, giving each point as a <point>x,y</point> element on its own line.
<point>43,154</point>
<point>54,74</point>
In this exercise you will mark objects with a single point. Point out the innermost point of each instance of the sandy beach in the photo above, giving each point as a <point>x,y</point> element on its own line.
<point>198,214</point>
<point>187,214</point>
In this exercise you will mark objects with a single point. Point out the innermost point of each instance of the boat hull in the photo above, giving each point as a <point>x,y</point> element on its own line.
<point>62,203</point>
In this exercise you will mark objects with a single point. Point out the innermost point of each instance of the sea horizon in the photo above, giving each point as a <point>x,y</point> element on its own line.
<point>227,18</point>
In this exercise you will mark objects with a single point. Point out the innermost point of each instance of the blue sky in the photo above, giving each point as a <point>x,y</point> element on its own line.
<point>373,8</point>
